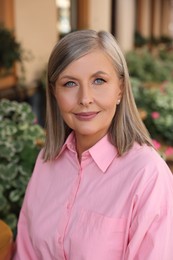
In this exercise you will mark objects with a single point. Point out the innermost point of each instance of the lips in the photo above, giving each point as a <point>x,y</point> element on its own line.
<point>85,116</point>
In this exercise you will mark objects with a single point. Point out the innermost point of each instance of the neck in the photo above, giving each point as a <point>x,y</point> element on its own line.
<point>83,143</point>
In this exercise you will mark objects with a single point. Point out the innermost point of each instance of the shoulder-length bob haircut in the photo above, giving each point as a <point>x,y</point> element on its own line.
<point>126,127</point>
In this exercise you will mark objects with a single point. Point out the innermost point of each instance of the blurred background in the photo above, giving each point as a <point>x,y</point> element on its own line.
<point>38,25</point>
<point>28,32</point>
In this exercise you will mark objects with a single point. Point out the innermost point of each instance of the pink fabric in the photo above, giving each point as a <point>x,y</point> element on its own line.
<point>106,208</point>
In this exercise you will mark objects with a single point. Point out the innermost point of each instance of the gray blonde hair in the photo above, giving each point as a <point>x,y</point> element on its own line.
<point>126,127</point>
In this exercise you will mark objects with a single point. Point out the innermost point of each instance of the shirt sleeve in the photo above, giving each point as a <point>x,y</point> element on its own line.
<point>24,248</point>
<point>151,230</point>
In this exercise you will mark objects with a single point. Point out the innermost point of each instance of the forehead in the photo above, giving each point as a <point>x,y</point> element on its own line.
<point>94,60</point>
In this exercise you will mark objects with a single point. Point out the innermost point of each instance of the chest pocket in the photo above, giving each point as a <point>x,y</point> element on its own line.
<point>98,237</point>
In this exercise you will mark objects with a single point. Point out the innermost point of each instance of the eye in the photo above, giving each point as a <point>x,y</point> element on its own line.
<point>70,84</point>
<point>99,81</point>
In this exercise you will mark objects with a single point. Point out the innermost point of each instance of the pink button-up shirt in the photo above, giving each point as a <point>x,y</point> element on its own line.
<point>104,208</point>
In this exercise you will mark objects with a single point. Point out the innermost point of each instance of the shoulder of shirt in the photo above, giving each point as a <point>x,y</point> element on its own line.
<point>40,155</point>
<point>144,152</point>
<point>144,157</point>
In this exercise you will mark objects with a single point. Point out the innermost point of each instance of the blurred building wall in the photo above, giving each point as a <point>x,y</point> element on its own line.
<point>35,28</point>
<point>154,18</point>
<point>100,15</point>
<point>125,23</point>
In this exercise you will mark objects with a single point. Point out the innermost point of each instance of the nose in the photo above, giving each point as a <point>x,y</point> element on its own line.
<point>86,95</point>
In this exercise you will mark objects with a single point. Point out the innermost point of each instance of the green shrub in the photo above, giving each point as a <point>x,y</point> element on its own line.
<point>149,67</point>
<point>157,102</point>
<point>20,142</point>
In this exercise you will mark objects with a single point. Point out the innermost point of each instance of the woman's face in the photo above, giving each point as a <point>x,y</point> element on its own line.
<point>87,93</point>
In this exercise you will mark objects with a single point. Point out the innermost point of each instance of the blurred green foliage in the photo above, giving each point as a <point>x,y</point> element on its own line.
<point>150,67</point>
<point>20,141</point>
<point>151,74</point>
<point>157,102</point>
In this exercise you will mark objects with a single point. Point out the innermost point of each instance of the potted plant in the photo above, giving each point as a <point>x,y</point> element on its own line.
<point>21,138</point>
<point>10,53</point>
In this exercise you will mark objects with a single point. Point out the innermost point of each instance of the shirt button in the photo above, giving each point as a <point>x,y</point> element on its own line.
<point>68,206</point>
<point>60,240</point>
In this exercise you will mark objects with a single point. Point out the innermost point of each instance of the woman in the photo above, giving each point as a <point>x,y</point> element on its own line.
<point>99,191</point>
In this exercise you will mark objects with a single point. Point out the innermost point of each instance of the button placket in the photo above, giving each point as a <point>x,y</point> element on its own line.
<point>68,208</point>
<point>73,194</point>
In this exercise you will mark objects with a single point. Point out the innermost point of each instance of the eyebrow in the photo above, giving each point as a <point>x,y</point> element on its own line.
<point>67,77</point>
<point>99,72</point>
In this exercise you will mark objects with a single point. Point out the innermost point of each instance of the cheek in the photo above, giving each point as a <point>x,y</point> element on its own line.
<point>113,109</point>
<point>65,102</point>
<point>109,101</point>
<point>109,95</point>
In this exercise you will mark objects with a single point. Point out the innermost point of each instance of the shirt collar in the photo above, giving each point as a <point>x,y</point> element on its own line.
<point>69,143</point>
<point>103,152</point>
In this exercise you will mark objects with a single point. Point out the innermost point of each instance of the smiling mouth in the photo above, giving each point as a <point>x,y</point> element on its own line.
<point>85,116</point>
